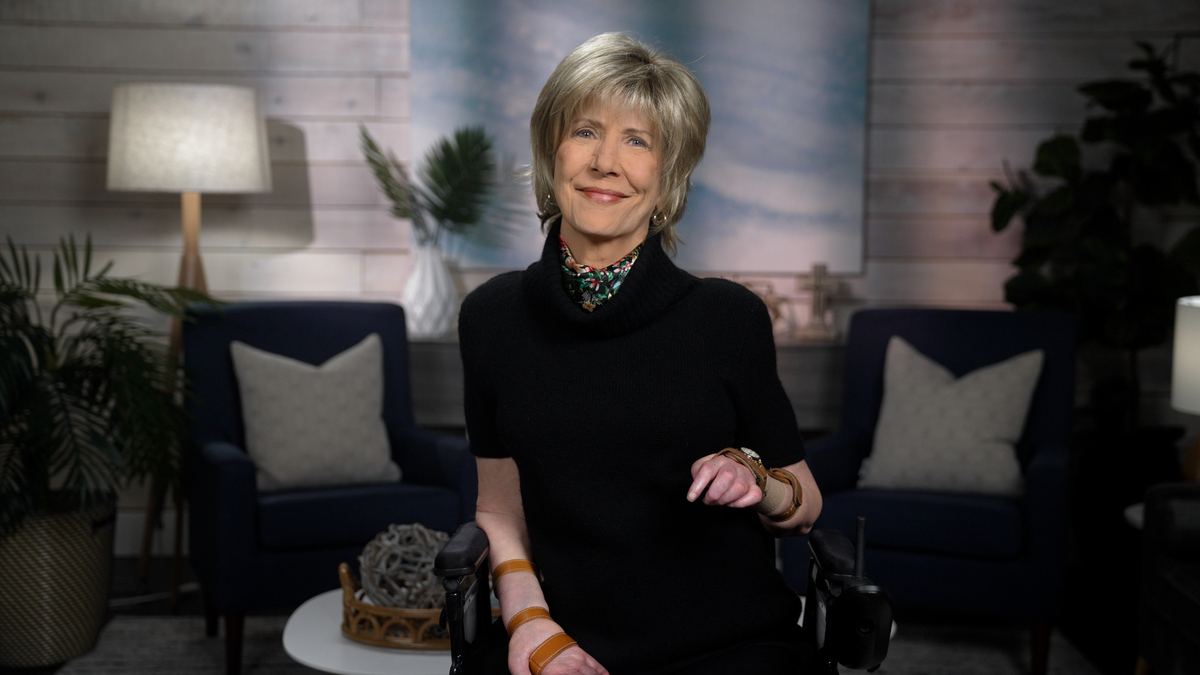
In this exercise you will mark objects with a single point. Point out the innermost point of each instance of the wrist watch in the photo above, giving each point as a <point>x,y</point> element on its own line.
<point>749,459</point>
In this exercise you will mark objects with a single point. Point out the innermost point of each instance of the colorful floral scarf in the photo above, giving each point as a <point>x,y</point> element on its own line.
<point>590,287</point>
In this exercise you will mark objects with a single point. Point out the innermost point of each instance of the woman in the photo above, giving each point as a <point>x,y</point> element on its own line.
<point>608,394</point>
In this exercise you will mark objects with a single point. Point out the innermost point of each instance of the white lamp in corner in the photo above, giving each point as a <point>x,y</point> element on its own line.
<point>1185,373</point>
<point>188,138</point>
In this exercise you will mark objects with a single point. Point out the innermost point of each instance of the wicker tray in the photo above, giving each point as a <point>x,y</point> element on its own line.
<point>396,627</point>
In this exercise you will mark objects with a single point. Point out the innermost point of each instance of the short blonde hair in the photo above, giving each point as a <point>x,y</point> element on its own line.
<point>616,68</point>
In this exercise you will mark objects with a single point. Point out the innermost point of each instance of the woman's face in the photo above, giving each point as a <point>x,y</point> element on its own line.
<point>606,177</point>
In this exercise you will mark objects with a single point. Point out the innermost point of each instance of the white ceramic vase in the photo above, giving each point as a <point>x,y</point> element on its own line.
<point>430,297</point>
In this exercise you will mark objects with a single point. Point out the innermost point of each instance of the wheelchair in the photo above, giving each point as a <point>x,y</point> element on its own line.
<point>847,618</point>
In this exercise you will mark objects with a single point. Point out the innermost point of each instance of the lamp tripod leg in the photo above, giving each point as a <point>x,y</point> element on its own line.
<point>191,275</point>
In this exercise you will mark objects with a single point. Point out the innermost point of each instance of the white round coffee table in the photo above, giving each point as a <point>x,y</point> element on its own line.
<point>313,637</point>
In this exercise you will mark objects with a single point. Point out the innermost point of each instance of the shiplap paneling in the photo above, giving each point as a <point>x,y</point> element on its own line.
<point>998,106</point>
<point>918,193</point>
<point>1025,17</point>
<point>1067,60</point>
<point>291,141</point>
<point>942,237</point>
<point>84,181</point>
<point>192,13</point>
<point>952,149</point>
<point>188,50</point>
<point>293,272</point>
<point>290,96</point>
<point>224,226</point>
<point>393,97</point>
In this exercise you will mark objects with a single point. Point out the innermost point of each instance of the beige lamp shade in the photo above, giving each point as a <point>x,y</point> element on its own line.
<point>1185,364</point>
<point>187,138</point>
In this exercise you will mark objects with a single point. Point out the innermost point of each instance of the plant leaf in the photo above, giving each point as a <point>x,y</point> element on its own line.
<point>458,175</point>
<point>1059,157</point>
<point>1007,205</point>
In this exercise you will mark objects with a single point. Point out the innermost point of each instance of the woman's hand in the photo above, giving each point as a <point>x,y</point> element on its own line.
<point>527,637</point>
<point>728,483</point>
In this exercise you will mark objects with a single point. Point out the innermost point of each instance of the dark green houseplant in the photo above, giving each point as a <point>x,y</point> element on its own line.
<point>87,404</point>
<point>456,179</point>
<point>1112,237</point>
<point>1086,206</point>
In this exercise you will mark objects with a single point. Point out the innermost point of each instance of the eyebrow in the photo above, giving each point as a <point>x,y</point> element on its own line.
<point>589,122</point>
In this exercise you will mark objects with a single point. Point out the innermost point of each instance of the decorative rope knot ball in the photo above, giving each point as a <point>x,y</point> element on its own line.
<point>397,567</point>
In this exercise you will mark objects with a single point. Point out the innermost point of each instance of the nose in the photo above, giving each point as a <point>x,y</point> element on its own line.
<point>605,159</point>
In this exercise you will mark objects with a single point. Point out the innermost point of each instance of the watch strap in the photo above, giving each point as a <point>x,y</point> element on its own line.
<point>755,466</point>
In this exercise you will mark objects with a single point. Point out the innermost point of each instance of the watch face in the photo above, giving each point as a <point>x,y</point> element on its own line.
<point>752,454</point>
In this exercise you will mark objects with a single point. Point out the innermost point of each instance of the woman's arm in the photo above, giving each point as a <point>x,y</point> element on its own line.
<point>500,514</point>
<point>728,483</point>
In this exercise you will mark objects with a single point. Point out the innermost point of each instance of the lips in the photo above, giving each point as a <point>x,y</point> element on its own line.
<point>603,196</point>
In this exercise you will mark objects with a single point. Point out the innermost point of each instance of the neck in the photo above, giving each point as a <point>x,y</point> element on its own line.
<point>600,252</point>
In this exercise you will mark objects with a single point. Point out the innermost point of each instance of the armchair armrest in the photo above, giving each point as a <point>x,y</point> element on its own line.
<point>835,459</point>
<point>429,458</point>
<point>1045,500</point>
<point>223,495</point>
<point>1172,526</point>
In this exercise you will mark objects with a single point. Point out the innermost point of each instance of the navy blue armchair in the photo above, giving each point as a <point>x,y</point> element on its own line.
<point>253,550</point>
<point>949,551</point>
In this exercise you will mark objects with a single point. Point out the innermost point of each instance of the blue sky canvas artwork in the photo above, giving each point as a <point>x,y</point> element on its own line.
<point>781,183</point>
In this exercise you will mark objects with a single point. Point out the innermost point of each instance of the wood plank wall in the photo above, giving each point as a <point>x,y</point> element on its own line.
<point>957,88</point>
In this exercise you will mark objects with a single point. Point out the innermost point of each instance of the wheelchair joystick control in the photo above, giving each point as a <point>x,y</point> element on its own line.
<point>846,615</point>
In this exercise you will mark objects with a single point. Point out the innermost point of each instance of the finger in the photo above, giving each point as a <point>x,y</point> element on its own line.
<point>723,487</point>
<point>699,463</point>
<point>703,475</point>
<point>737,491</point>
<point>752,497</point>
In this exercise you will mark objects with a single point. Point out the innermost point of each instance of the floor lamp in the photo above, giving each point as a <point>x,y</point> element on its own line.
<point>189,139</point>
<point>1185,373</point>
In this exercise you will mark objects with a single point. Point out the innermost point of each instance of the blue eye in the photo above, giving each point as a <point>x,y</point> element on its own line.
<point>584,133</point>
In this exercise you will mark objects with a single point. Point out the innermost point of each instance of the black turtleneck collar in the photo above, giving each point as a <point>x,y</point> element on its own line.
<point>654,283</point>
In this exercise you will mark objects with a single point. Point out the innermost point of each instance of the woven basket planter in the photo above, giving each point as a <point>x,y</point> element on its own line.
<point>387,626</point>
<point>54,588</point>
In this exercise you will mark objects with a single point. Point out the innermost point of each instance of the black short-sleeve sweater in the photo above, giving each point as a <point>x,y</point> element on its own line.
<point>604,414</point>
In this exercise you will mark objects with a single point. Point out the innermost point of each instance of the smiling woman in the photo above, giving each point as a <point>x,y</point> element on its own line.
<point>607,414</point>
<point>606,183</point>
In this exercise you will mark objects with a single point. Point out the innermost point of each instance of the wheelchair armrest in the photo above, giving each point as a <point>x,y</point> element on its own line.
<point>833,551</point>
<point>462,564</point>
<point>464,553</point>
<point>846,615</point>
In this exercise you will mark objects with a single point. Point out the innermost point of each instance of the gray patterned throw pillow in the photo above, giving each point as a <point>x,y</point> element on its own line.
<point>936,432</point>
<point>310,426</point>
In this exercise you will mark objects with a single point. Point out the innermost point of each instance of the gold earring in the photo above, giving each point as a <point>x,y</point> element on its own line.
<point>658,218</point>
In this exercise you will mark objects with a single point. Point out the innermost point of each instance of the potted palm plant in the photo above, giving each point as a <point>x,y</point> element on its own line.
<point>455,181</point>
<point>87,404</point>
